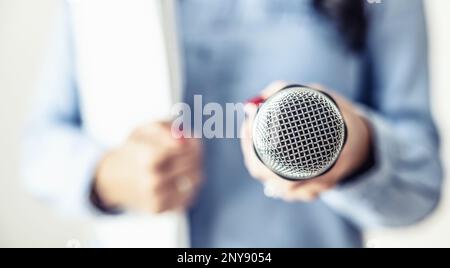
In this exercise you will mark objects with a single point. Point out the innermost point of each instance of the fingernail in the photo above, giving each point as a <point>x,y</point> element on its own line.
<point>256,100</point>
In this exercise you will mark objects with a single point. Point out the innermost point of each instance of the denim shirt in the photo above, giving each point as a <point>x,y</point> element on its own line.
<point>232,49</point>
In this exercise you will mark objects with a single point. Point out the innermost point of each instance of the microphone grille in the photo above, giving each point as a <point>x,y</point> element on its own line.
<point>299,133</point>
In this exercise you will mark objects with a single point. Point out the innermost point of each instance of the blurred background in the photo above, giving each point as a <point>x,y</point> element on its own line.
<point>24,27</point>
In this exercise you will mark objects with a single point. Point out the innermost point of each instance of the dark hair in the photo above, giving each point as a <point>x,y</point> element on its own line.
<point>349,17</point>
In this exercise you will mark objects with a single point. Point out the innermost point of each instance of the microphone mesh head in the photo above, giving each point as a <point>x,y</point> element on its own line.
<point>299,133</point>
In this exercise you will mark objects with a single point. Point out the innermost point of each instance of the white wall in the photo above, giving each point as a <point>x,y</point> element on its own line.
<point>23,222</point>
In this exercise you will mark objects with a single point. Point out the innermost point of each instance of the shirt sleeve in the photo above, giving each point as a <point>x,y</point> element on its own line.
<point>404,185</point>
<point>58,159</point>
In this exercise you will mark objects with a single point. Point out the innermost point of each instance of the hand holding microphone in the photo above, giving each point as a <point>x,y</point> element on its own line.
<point>302,141</point>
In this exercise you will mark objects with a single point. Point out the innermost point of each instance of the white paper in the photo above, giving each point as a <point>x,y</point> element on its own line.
<point>126,79</point>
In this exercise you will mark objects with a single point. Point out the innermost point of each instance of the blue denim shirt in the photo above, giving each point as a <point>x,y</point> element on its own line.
<point>232,50</point>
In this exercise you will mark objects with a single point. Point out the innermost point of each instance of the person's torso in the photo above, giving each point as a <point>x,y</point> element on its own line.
<point>232,50</point>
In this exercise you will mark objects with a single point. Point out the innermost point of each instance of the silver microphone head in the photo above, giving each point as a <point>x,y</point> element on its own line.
<point>299,133</point>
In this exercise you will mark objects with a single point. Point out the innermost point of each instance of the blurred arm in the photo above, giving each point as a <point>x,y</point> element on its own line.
<point>58,159</point>
<point>404,185</point>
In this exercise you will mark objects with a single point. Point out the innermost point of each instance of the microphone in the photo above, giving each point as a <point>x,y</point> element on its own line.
<point>299,132</point>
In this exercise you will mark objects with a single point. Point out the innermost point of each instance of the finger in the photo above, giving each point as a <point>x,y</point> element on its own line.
<point>253,164</point>
<point>188,186</point>
<point>162,182</point>
<point>178,201</point>
<point>273,88</point>
<point>192,145</point>
<point>182,166</point>
<point>159,200</point>
<point>342,102</point>
<point>250,110</point>
<point>160,156</point>
<point>149,200</point>
<point>250,159</point>
<point>307,191</point>
<point>190,155</point>
<point>155,134</point>
<point>317,86</point>
<point>275,189</point>
<point>162,202</point>
<point>301,194</point>
<point>323,182</point>
<point>182,191</point>
<point>246,136</point>
<point>282,189</point>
